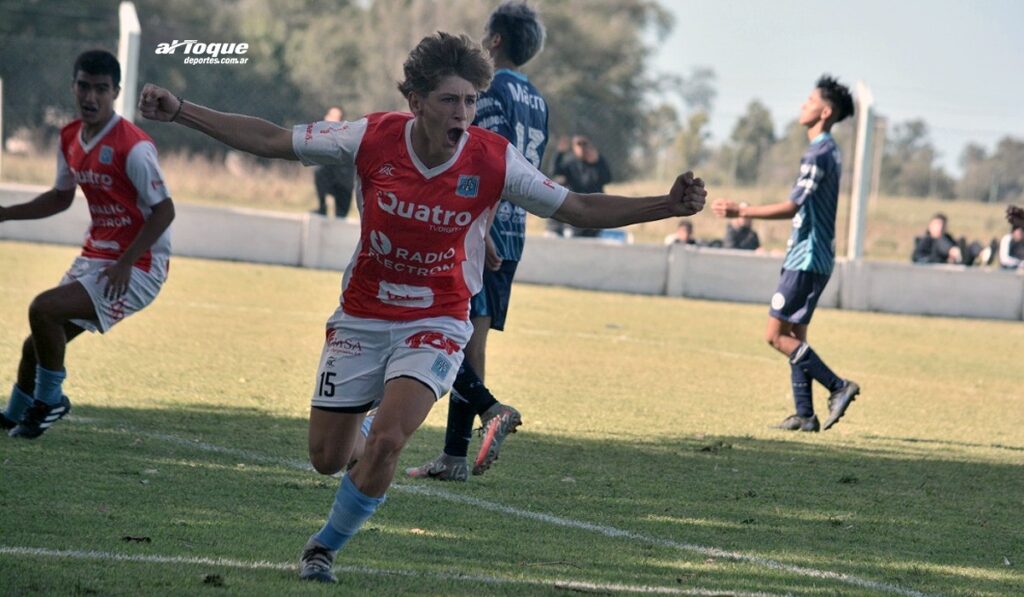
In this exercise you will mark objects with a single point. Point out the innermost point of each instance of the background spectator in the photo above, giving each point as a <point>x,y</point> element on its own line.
<point>938,246</point>
<point>336,181</point>
<point>582,171</point>
<point>739,235</point>
<point>683,234</point>
<point>1011,249</point>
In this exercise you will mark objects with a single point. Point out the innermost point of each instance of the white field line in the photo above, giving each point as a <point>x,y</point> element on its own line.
<point>280,566</point>
<point>607,531</point>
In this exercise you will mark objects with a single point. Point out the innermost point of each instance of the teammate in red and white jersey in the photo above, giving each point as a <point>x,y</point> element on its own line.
<point>426,184</point>
<point>125,257</point>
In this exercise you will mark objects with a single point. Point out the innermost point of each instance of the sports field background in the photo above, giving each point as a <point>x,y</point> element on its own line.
<point>892,224</point>
<point>645,463</point>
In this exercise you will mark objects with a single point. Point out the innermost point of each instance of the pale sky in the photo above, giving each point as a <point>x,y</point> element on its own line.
<point>959,65</point>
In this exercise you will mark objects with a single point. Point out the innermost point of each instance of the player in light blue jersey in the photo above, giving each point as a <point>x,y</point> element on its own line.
<point>513,108</point>
<point>810,255</point>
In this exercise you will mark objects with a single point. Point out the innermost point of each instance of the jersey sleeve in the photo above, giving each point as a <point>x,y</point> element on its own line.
<point>143,170</point>
<point>490,114</point>
<point>328,143</point>
<point>65,179</point>
<point>528,188</point>
<point>811,173</point>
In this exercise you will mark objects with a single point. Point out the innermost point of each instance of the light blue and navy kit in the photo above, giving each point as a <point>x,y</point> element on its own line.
<point>513,108</point>
<point>810,254</point>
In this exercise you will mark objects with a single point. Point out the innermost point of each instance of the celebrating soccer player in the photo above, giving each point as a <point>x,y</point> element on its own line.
<point>429,182</point>
<point>810,255</point>
<point>125,257</point>
<point>513,108</point>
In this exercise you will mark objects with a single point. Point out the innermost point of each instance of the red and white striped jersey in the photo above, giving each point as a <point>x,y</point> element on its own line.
<point>120,176</point>
<point>422,243</point>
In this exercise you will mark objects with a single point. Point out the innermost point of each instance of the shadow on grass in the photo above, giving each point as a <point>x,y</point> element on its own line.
<point>232,482</point>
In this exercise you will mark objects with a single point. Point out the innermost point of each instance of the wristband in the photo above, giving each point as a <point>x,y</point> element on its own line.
<point>181,104</point>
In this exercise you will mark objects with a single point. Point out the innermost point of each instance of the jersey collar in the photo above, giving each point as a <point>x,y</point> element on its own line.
<point>514,73</point>
<point>87,147</point>
<point>420,166</point>
<point>821,137</point>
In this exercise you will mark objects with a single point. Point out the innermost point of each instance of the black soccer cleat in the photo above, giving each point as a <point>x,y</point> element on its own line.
<point>839,401</point>
<point>39,417</point>
<point>798,423</point>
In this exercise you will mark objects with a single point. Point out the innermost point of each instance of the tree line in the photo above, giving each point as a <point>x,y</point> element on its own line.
<point>305,55</point>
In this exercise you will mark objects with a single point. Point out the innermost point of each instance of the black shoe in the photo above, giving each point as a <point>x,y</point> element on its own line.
<point>40,417</point>
<point>798,423</point>
<point>6,423</point>
<point>839,401</point>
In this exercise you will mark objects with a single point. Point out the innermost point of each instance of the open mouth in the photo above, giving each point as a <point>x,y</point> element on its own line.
<point>454,135</point>
<point>89,111</point>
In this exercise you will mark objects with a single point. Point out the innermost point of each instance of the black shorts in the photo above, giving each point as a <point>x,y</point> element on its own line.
<point>797,295</point>
<point>493,300</point>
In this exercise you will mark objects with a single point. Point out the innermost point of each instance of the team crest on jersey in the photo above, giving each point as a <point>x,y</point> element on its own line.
<point>106,154</point>
<point>469,186</point>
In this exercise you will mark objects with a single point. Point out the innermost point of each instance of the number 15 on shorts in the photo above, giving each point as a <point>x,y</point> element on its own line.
<point>326,387</point>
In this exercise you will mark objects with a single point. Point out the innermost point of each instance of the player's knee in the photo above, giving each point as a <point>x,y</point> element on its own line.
<point>384,444</point>
<point>324,462</point>
<point>40,310</point>
<point>772,339</point>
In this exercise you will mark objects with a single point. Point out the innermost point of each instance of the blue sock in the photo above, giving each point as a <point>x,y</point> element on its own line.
<point>809,361</point>
<point>351,509</point>
<point>48,385</point>
<point>801,391</point>
<point>18,404</point>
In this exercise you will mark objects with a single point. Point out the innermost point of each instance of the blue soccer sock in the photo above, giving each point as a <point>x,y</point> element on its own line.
<point>48,385</point>
<point>808,360</point>
<point>802,396</point>
<point>20,402</point>
<point>351,509</point>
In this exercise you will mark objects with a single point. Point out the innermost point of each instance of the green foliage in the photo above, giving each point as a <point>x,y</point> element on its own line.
<point>752,136</point>
<point>908,164</point>
<point>993,178</point>
<point>643,414</point>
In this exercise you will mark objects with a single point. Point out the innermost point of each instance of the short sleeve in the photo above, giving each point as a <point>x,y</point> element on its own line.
<point>328,143</point>
<point>65,179</point>
<point>528,188</point>
<point>143,170</point>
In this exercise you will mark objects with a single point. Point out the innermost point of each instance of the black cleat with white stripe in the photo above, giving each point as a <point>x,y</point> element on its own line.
<point>39,417</point>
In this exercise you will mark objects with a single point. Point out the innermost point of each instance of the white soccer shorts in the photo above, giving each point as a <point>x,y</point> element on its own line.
<point>361,355</point>
<point>142,289</point>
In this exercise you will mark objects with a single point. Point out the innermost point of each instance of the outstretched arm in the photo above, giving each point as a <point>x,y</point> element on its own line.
<point>49,203</point>
<point>727,208</point>
<point>245,133</point>
<point>601,210</point>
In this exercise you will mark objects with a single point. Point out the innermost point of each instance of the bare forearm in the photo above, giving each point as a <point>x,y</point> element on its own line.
<point>245,133</point>
<point>600,210</point>
<point>159,220</point>
<point>774,211</point>
<point>45,205</point>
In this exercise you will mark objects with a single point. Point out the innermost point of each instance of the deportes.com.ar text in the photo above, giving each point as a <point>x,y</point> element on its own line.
<point>212,60</point>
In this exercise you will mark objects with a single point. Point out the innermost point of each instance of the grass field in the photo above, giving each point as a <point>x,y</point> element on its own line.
<point>645,464</point>
<point>893,222</point>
